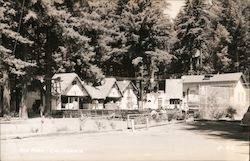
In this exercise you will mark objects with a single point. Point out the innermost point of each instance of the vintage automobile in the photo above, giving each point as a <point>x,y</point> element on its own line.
<point>245,122</point>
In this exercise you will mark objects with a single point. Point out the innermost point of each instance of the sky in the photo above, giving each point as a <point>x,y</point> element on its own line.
<point>174,8</point>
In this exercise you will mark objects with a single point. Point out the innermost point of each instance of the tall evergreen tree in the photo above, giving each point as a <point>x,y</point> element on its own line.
<point>143,39</point>
<point>194,31</point>
<point>12,63</point>
<point>70,32</point>
<point>235,18</point>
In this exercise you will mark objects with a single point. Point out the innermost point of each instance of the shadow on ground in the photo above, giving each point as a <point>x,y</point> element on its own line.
<point>222,129</point>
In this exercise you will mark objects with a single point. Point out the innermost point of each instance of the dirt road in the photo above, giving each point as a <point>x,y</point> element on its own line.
<point>170,142</point>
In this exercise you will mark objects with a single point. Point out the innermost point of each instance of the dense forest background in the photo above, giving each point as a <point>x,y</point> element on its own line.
<point>121,38</point>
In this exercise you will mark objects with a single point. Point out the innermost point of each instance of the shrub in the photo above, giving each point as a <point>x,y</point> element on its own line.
<point>175,115</point>
<point>155,116</point>
<point>218,113</point>
<point>171,115</point>
<point>180,115</point>
<point>158,118</point>
<point>14,114</point>
<point>164,117</point>
<point>140,120</point>
<point>230,112</point>
<point>197,114</point>
<point>7,117</point>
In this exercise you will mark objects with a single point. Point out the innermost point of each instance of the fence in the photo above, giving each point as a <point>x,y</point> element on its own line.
<point>138,121</point>
<point>94,113</point>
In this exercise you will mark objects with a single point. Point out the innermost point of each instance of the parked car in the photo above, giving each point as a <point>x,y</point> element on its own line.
<point>245,122</point>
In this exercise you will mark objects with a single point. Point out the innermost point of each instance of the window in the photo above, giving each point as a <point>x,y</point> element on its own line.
<point>174,101</point>
<point>64,99</point>
<point>71,99</point>
<point>74,82</point>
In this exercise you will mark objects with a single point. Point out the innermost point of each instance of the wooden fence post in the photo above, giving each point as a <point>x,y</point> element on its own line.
<point>128,121</point>
<point>147,123</point>
<point>133,125</point>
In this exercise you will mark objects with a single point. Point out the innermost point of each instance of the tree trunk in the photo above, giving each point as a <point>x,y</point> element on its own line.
<point>152,74</point>
<point>48,97</point>
<point>48,74</point>
<point>6,93</point>
<point>23,113</point>
<point>1,101</point>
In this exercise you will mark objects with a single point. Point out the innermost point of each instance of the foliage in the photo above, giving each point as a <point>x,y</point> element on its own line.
<point>217,113</point>
<point>10,61</point>
<point>194,27</point>
<point>212,38</point>
<point>14,63</point>
<point>175,114</point>
<point>235,18</point>
<point>132,38</point>
<point>144,33</point>
<point>162,117</point>
<point>230,112</point>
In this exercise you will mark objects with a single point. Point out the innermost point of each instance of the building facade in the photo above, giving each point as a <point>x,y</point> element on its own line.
<point>129,99</point>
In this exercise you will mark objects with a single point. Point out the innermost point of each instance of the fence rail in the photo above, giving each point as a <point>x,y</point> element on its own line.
<point>94,113</point>
<point>135,121</point>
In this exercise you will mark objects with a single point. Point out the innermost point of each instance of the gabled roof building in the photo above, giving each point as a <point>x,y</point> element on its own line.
<point>105,95</point>
<point>67,91</point>
<point>129,101</point>
<point>227,89</point>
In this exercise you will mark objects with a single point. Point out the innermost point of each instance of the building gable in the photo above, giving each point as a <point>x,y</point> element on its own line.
<point>125,85</point>
<point>68,84</point>
<point>75,88</point>
<point>114,92</point>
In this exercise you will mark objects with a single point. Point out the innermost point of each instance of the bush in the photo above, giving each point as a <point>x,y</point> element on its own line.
<point>14,114</point>
<point>175,115</point>
<point>181,115</point>
<point>230,112</point>
<point>161,118</point>
<point>7,117</point>
<point>217,113</point>
<point>164,117</point>
<point>197,114</point>
<point>140,120</point>
<point>170,116</point>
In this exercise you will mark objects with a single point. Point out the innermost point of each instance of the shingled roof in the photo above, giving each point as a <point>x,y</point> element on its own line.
<point>124,84</point>
<point>102,91</point>
<point>228,77</point>
<point>65,80</point>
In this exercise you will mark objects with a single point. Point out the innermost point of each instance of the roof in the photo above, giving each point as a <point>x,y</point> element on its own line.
<point>124,84</point>
<point>228,77</point>
<point>66,79</point>
<point>102,91</point>
<point>174,88</point>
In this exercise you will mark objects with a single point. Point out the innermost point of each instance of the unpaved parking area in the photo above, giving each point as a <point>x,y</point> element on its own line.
<point>170,142</point>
